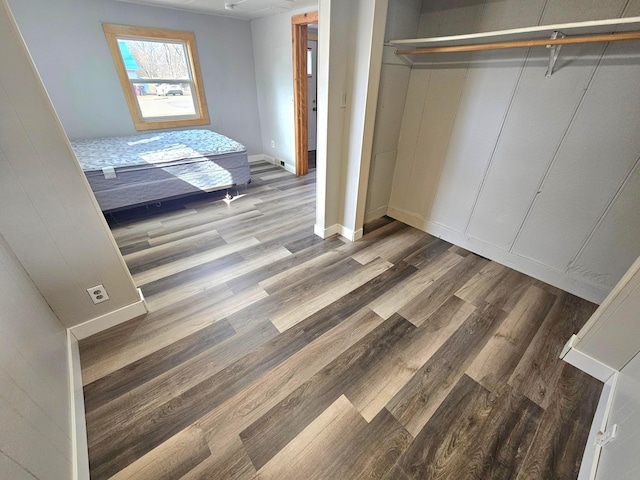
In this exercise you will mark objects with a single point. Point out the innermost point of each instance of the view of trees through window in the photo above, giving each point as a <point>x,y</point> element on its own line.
<point>159,60</point>
<point>166,62</point>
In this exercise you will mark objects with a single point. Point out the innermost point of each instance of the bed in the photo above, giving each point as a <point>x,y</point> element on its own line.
<point>129,171</point>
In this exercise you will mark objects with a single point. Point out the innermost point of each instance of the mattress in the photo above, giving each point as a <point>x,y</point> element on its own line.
<point>128,171</point>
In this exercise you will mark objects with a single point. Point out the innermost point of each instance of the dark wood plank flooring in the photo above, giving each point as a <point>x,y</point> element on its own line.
<point>270,353</point>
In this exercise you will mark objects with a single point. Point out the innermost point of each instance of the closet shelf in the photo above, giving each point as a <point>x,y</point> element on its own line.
<point>551,36</point>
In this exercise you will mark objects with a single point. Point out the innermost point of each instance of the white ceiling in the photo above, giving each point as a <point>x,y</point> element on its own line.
<point>245,9</point>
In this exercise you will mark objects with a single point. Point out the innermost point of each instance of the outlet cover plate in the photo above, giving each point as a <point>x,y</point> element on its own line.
<point>98,294</point>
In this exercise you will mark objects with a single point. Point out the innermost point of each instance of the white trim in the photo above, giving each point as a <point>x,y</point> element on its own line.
<point>288,168</point>
<point>349,234</point>
<point>527,266</point>
<point>79,444</point>
<point>257,158</point>
<point>592,26</point>
<point>375,214</point>
<point>269,159</point>
<point>111,319</point>
<point>591,457</point>
<point>326,232</point>
<point>584,362</point>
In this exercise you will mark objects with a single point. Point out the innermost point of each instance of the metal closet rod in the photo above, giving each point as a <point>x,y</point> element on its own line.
<point>541,42</point>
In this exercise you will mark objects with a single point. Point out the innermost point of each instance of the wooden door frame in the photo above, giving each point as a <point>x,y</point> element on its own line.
<point>299,35</point>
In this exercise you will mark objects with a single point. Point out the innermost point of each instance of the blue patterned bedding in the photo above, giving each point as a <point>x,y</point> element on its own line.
<point>128,171</point>
<point>156,149</point>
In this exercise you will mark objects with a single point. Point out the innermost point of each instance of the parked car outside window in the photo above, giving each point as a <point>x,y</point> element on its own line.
<point>167,89</point>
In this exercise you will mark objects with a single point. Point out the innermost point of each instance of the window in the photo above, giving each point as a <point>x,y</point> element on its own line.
<point>160,75</point>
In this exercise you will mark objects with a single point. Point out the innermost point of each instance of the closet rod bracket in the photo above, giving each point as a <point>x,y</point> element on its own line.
<point>554,51</point>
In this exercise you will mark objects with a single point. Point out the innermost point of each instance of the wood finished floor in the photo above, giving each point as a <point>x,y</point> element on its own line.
<point>272,354</point>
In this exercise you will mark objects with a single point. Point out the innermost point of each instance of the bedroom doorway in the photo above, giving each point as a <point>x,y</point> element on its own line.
<point>301,99</point>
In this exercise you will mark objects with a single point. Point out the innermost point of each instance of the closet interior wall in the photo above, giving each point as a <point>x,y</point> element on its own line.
<point>540,174</point>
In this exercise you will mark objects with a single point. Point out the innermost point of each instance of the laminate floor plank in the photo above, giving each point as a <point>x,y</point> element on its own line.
<point>135,374</point>
<point>282,423</point>
<point>125,445</point>
<point>506,293</point>
<point>313,450</point>
<point>498,359</point>
<point>298,257</point>
<point>169,329</point>
<point>164,271</point>
<point>377,223</point>
<point>278,219</point>
<point>388,248</point>
<point>397,297</point>
<point>477,289</point>
<point>134,247</point>
<point>173,250</point>
<point>248,405</point>
<point>421,396</point>
<point>271,353</point>
<point>331,315</point>
<point>295,312</point>
<point>186,284</point>
<point>306,242</point>
<point>228,463</point>
<point>288,299</point>
<point>374,391</point>
<point>439,291</point>
<point>561,437</point>
<point>125,410</point>
<point>174,458</point>
<point>434,447</point>
<point>473,434</point>
<point>298,273</point>
<point>374,449</point>
<point>213,219</point>
<point>426,253</point>
<point>539,370</point>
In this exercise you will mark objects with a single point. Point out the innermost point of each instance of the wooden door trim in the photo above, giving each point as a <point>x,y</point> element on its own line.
<point>299,37</point>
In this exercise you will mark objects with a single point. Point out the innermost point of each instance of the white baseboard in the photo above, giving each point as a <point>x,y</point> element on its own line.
<point>351,235</point>
<point>263,157</point>
<point>80,446</point>
<point>584,362</point>
<point>347,233</point>
<point>375,214</point>
<point>326,232</point>
<point>111,319</point>
<point>527,266</point>
<point>589,465</point>
<point>259,158</point>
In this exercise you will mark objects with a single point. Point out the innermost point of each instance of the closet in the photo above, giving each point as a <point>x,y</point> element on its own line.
<point>534,167</point>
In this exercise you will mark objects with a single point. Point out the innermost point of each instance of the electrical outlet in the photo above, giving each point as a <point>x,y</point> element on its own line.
<point>98,294</point>
<point>282,163</point>
<point>273,144</point>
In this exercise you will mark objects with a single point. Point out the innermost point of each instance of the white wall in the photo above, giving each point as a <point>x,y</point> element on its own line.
<point>349,62</point>
<point>273,58</point>
<point>48,214</point>
<point>539,174</point>
<point>35,438</point>
<point>402,22</point>
<point>68,46</point>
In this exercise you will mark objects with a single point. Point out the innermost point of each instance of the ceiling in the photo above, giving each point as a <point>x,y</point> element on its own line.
<point>245,9</point>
